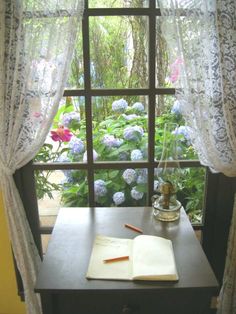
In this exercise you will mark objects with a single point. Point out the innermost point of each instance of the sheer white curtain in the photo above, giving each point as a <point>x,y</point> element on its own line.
<point>201,38</point>
<point>36,44</point>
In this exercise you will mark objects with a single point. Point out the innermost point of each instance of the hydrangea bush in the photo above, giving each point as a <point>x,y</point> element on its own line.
<point>120,135</point>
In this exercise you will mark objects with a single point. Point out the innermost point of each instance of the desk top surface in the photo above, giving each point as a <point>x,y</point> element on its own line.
<point>66,261</point>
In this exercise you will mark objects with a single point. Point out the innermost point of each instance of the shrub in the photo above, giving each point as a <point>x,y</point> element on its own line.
<point>120,135</point>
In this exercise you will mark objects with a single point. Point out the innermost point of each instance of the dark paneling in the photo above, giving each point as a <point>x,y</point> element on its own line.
<point>218,213</point>
<point>24,179</point>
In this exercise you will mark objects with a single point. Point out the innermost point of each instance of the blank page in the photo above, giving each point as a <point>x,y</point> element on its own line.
<point>153,259</point>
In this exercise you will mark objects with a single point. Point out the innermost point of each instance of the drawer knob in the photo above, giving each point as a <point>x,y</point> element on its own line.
<point>126,310</point>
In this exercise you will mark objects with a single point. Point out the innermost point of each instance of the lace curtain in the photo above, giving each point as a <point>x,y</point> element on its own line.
<point>202,47</point>
<point>227,304</point>
<point>36,44</point>
<point>201,39</point>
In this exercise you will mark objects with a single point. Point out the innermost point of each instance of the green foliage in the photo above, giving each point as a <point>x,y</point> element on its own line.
<point>44,186</point>
<point>74,189</point>
<point>193,193</point>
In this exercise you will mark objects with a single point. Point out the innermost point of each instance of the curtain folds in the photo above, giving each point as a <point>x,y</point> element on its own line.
<point>227,298</point>
<point>37,39</point>
<point>201,39</point>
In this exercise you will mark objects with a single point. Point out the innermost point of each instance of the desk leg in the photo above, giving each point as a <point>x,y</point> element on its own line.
<point>47,303</point>
<point>205,307</point>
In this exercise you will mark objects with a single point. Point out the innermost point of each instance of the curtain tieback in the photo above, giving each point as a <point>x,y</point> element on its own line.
<point>4,170</point>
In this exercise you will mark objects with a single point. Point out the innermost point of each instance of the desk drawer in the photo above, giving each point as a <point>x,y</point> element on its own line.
<point>164,302</point>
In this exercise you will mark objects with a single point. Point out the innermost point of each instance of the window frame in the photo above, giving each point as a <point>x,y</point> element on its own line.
<point>88,92</point>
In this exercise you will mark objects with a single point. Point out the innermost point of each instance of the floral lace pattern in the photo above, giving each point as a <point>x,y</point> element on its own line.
<point>202,33</point>
<point>36,45</point>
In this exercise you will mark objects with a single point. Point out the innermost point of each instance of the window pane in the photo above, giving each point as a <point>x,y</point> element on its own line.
<point>180,4</point>
<point>168,3</point>
<point>45,238</point>
<point>118,3</point>
<point>59,188</point>
<point>192,194</point>
<point>166,74</point>
<point>119,51</point>
<point>121,187</point>
<point>76,73</point>
<point>75,189</point>
<point>48,189</point>
<point>168,111</point>
<point>120,128</point>
<point>66,141</point>
<point>190,190</point>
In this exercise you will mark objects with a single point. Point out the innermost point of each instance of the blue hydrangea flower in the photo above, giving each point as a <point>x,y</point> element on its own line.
<point>142,176</point>
<point>118,198</point>
<point>141,180</point>
<point>185,131</point>
<point>130,116</point>
<point>110,141</point>
<point>76,146</point>
<point>129,175</point>
<point>133,133</point>
<point>119,105</point>
<point>176,109</point>
<point>136,154</point>
<point>69,176</point>
<point>156,185</point>
<point>100,188</point>
<point>95,156</point>
<point>136,194</point>
<point>179,151</point>
<point>138,106</point>
<point>63,158</point>
<point>69,117</point>
<point>123,156</point>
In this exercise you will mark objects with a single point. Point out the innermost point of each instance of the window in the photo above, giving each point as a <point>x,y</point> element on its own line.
<point>118,97</point>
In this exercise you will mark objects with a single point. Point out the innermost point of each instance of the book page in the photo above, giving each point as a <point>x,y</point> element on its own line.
<point>153,259</point>
<point>105,248</point>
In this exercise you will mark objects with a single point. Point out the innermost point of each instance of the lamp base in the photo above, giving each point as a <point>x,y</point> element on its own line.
<point>171,214</point>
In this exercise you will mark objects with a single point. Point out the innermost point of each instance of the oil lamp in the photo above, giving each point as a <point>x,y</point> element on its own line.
<point>165,205</point>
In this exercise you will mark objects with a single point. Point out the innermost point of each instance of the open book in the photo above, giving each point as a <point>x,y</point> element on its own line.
<point>150,258</point>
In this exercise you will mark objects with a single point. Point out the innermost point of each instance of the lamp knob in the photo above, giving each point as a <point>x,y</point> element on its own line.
<point>126,310</point>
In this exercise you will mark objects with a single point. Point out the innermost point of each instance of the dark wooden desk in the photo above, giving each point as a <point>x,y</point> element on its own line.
<point>65,290</point>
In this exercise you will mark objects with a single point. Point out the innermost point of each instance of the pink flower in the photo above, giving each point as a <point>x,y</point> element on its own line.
<point>36,114</point>
<point>175,68</point>
<point>61,134</point>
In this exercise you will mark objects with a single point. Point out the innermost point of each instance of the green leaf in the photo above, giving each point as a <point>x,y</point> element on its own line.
<point>113,174</point>
<point>141,188</point>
